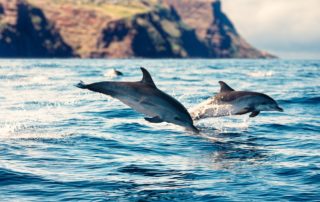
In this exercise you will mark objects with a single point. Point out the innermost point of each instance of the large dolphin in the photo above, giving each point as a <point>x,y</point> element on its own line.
<point>144,97</point>
<point>231,102</point>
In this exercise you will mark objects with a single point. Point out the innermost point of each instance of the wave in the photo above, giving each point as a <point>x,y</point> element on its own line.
<point>11,177</point>
<point>116,113</point>
<point>303,127</point>
<point>27,130</point>
<point>301,100</point>
<point>143,171</point>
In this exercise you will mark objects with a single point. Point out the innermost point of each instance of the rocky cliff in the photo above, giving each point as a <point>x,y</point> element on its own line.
<point>25,32</point>
<point>155,34</point>
<point>120,29</point>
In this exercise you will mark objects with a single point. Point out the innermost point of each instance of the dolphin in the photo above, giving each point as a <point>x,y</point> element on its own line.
<point>231,102</point>
<point>113,73</point>
<point>144,97</point>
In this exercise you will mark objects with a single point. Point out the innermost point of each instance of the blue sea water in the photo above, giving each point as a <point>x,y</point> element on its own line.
<point>61,143</point>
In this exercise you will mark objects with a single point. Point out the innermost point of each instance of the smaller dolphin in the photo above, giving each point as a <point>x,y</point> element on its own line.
<point>231,102</point>
<point>144,97</point>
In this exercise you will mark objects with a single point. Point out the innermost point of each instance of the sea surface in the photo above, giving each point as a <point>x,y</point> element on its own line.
<point>62,143</point>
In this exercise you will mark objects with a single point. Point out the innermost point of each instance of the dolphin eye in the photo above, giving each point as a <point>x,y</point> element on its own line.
<point>177,118</point>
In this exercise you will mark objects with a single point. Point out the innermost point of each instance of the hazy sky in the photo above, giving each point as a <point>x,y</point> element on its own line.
<point>287,28</point>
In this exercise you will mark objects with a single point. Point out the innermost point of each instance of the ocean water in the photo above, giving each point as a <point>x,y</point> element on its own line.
<point>61,143</point>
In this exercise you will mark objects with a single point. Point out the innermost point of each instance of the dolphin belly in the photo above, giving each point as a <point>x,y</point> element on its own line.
<point>140,105</point>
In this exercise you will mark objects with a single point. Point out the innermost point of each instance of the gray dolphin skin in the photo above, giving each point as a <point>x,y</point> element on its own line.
<point>231,102</point>
<point>144,97</point>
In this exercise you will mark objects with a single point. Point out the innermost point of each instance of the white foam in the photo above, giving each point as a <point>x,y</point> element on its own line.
<point>226,124</point>
<point>261,74</point>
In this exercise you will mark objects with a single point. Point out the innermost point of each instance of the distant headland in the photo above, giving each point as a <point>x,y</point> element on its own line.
<point>120,29</point>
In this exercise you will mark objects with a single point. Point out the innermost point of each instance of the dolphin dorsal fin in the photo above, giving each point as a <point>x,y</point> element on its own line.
<point>224,87</point>
<point>146,77</point>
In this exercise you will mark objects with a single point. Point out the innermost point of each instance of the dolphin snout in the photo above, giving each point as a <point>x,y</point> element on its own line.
<point>193,129</point>
<point>279,109</point>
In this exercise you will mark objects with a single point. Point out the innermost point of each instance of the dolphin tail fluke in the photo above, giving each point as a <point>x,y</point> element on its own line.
<point>81,85</point>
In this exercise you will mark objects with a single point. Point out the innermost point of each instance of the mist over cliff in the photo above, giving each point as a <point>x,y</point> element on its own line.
<point>120,29</point>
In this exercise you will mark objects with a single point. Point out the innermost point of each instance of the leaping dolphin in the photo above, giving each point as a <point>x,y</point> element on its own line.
<point>231,102</point>
<point>144,97</point>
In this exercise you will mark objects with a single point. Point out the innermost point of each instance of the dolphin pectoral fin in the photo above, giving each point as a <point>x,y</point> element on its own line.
<point>155,119</point>
<point>243,111</point>
<point>254,113</point>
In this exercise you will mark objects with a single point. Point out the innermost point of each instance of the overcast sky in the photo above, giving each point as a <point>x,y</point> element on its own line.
<point>287,28</point>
